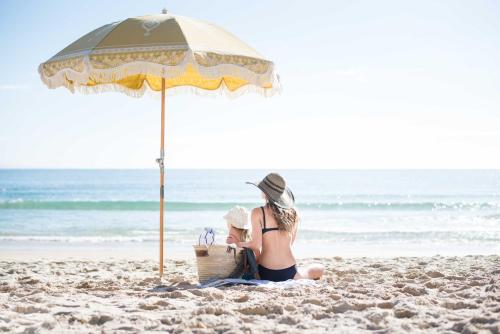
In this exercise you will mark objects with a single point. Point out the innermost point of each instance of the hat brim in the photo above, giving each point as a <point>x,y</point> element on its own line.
<point>285,201</point>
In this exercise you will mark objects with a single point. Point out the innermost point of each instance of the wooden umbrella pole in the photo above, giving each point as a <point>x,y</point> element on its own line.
<point>162,171</point>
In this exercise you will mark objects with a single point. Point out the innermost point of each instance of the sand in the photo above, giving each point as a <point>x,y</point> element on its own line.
<point>435,294</point>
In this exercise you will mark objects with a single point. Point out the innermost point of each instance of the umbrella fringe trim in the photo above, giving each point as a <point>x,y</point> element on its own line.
<point>146,90</point>
<point>74,80</point>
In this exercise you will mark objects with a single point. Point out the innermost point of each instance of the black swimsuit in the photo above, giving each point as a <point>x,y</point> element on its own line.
<point>272,274</point>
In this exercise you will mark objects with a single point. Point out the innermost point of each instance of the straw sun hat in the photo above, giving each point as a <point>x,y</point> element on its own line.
<point>274,186</point>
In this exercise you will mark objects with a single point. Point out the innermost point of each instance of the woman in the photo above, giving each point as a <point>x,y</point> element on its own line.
<point>274,228</point>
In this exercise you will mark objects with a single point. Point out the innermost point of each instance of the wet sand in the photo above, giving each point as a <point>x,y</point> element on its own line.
<point>379,295</point>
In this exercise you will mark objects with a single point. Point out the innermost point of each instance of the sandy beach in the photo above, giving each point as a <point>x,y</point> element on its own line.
<point>359,135</point>
<point>405,294</point>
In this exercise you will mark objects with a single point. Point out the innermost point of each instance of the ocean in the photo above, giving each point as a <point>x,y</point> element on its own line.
<point>343,212</point>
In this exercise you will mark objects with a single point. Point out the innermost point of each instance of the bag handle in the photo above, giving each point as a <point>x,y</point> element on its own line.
<point>233,249</point>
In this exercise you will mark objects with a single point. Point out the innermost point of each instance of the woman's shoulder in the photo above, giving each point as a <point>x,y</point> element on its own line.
<point>256,214</point>
<point>256,211</point>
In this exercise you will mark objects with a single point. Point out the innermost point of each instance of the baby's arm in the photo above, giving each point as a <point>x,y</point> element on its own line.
<point>256,243</point>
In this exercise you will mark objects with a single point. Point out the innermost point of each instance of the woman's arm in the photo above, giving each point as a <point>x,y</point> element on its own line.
<point>256,243</point>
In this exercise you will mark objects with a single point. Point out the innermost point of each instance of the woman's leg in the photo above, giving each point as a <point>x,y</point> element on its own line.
<point>314,271</point>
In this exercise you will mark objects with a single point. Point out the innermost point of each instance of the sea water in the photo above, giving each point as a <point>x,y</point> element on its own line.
<point>343,212</point>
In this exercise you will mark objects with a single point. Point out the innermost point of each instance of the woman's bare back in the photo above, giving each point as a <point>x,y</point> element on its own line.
<point>276,245</point>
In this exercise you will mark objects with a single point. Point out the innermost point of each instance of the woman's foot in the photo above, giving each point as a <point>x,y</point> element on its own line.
<point>314,271</point>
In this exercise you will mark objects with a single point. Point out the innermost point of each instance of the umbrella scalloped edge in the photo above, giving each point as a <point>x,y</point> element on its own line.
<point>78,74</point>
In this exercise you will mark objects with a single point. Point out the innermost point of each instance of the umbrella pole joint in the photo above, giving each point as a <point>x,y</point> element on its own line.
<point>161,161</point>
<point>161,164</point>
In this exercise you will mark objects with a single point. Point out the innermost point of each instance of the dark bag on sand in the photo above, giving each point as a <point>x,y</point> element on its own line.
<point>246,268</point>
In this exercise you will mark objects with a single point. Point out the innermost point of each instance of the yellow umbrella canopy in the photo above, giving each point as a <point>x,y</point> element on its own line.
<point>133,55</point>
<point>160,53</point>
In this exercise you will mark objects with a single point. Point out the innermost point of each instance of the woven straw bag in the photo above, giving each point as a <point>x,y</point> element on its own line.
<point>216,261</point>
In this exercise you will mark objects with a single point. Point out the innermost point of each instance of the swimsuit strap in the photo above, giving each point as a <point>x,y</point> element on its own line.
<point>264,229</point>
<point>263,216</point>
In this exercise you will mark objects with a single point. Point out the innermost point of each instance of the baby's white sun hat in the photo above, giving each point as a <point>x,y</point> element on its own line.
<point>238,217</point>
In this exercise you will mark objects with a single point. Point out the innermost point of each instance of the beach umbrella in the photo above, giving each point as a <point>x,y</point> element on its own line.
<point>162,54</point>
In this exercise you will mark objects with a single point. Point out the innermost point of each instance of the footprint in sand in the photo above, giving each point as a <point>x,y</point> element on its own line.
<point>84,285</point>
<point>385,305</point>
<point>162,303</point>
<point>197,292</point>
<point>289,320</point>
<point>404,312</point>
<point>377,317</point>
<point>262,310</point>
<point>28,280</point>
<point>458,304</point>
<point>99,320</point>
<point>242,299</point>
<point>414,290</point>
<point>211,310</point>
<point>341,307</point>
<point>434,274</point>
<point>176,294</point>
<point>434,284</point>
<point>148,307</point>
<point>313,301</point>
<point>48,325</point>
<point>30,309</point>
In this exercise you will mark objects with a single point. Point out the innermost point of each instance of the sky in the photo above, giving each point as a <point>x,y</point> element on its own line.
<point>366,85</point>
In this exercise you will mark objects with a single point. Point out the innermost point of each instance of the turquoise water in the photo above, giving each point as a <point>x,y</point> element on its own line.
<point>347,212</point>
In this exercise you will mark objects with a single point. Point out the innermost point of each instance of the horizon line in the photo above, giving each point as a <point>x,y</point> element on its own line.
<point>263,168</point>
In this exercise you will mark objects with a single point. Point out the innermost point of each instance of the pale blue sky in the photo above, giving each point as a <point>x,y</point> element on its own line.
<point>367,84</point>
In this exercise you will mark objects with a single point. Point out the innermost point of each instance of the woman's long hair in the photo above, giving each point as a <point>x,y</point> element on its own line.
<point>285,218</point>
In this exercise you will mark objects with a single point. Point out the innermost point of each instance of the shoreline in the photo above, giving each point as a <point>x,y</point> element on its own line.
<point>47,250</point>
<point>431,294</point>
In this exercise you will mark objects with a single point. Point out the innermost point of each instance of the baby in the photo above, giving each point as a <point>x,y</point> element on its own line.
<point>238,223</point>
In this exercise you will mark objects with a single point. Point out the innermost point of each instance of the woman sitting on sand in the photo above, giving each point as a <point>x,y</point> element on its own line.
<point>274,228</point>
